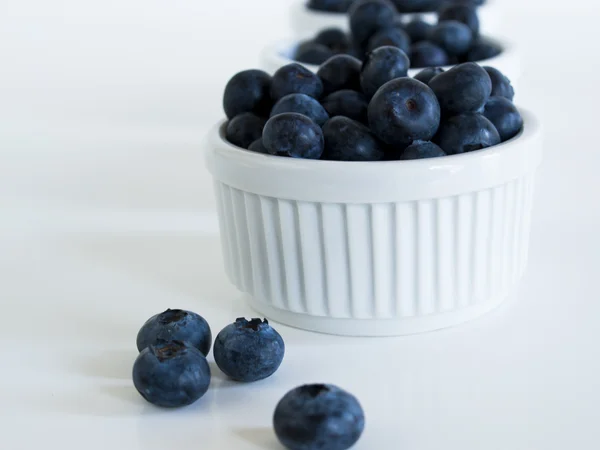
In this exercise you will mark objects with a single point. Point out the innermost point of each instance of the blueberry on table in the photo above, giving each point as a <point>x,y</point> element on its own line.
<point>301,104</point>
<point>501,86</point>
<point>249,350</point>
<point>427,54</point>
<point>318,417</point>
<point>171,374</point>
<point>349,140</point>
<point>335,6</point>
<point>176,324</point>
<point>464,88</point>
<point>505,116</point>
<point>421,150</point>
<point>393,37</point>
<point>418,30</point>
<point>351,104</point>
<point>248,91</point>
<point>340,72</point>
<point>333,38</point>
<point>482,49</point>
<point>310,52</point>
<point>382,65</point>
<point>402,111</point>
<point>244,129</point>
<point>453,36</point>
<point>462,12</point>
<point>425,75</point>
<point>295,135</point>
<point>258,147</point>
<point>295,79</point>
<point>369,16</point>
<point>466,133</point>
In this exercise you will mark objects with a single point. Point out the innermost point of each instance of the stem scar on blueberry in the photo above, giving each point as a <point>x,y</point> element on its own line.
<point>411,105</point>
<point>253,324</point>
<point>315,390</point>
<point>172,315</point>
<point>167,350</point>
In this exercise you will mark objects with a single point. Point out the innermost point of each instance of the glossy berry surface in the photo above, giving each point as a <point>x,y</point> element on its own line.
<point>295,79</point>
<point>505,116</point>
<point>463,88</point>
<point>349,140</point>
<point>453,36</point>
<point>418,30</point>
<point>258,147</point>
<point>501,86</point>
<point>310,52</point>
<point>248,91</point>
<point>427,54</point>
<point>461,12</point>
<point>301,104</point>
<point>393,37</point>
<point>295,135</point>
<point>382,65</point>
<point>351,104</point>
<point>367,17</point>
<point>425,75</point>
<point>466,133</point>
<point>340,72</point>
<point>244,129</point>
<point>422,150</point>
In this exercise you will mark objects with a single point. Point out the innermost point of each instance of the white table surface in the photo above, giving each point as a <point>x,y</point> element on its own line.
<point>107,218</point>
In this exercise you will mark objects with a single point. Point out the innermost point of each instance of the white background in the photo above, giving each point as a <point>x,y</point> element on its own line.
<point>107,218</point>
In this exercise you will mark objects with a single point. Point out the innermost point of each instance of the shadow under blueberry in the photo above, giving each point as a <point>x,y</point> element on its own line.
<point>260,437</point>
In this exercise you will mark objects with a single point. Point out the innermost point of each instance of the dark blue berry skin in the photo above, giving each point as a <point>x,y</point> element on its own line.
<point>461,12</point>
<point>369,16</point>
<point>248,91</point>
<point>481,50</point>
<point>171,374</point>
<point>501,86</point>
<point>505,116</point>
<point>425,75</point>
<point>422,150</point>
<point>410,6</point>
<point>334,39</point>
<point>310,52</point>
<point>318,417</point>
<point>349,140</point>
<point>249,350</point>
<point>418,30</point>
<point>464,88</point>
<point>334,6</point>
<point>176,325</point>
<point>393,37</point>
<point>382,65</point>
<point>402,111</point>
<point>258,147</point>
<point>427,54</point>
<point>347,103</point>
<point>295,135</point>
<point>466,133</point>
<point>301,104</point>
<point>244,129</point>
<point>295,79</point>
<point>454,37</point>
<point>340,72</point>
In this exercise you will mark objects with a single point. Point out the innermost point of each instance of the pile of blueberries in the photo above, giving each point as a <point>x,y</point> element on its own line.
<point>375,23</point>
<point>405,6</point>
<point>371,111</point>
<point>172,371</point>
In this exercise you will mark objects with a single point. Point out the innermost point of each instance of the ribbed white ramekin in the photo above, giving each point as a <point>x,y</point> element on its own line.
<point>376,248</point>
<point>306,22</point>
<point>281,53</point>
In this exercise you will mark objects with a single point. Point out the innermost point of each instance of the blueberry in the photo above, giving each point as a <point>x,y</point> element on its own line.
<point>248,350</point>
<point>295,79</point>
<point>505,116</point>
<point>301,104</point>
<point>347,103</point>
<point>454,37</point>
<point>382,65</point>
<point>421,150</point>
<point>466,133</point>
<point>425,75</point>
<point>427,54</point>
<point>258,147</point>
<point>248,91</point>
<point>464,88</point>
<point>349,140</point>
<point>293,134</point>
<point>482,49</point>
<point>309,52</point>
<point>418,30</point>
<point>340,72</point>
<point>410,6</point>
<point>244,129</point>
<point>335,6</point>
<point>176,324</point>
<point>392,37</point>
<point>404,110</point>
<point>461,12</point>
<point>171,374</point>
<point>369,16</point>
<point>318,417</point>
<point>334,39</point>
<point>501,86</point>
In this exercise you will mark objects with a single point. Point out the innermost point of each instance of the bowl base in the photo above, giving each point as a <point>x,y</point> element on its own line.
<point>376,327</point>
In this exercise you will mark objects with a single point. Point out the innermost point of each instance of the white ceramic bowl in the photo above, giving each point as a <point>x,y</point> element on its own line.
<point>376,248</point>
<point>281,53</point>
<point>307,22</point>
